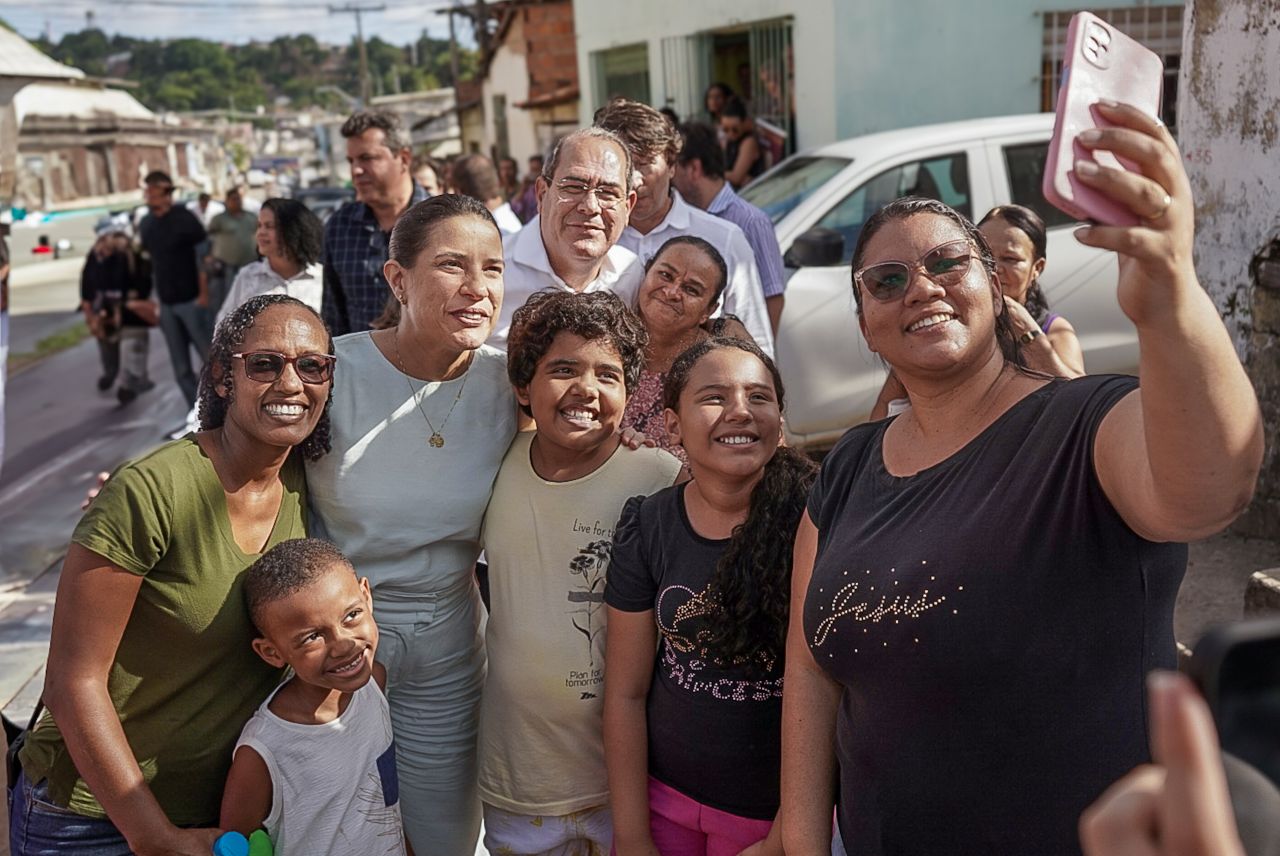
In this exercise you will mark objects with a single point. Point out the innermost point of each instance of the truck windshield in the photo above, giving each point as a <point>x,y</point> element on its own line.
<point>792,183</point>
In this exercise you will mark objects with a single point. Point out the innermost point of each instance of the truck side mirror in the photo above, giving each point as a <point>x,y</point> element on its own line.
<point>818,247</point>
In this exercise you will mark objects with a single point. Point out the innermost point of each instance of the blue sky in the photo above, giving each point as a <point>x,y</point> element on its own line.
<point>228,20</point>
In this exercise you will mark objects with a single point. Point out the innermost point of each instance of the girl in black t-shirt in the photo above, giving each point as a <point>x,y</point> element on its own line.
<point>701,572</point>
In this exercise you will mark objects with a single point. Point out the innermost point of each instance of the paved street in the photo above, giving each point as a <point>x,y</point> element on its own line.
<point>60,431</point>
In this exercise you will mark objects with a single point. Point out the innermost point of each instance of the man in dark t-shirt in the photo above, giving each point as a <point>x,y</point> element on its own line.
<point>170,235</point>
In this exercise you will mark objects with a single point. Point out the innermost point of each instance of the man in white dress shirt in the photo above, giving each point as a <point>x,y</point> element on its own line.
<point>661,214</point>
<point>584,199</point>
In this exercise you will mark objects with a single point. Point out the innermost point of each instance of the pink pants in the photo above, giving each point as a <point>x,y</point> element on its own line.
<point>684,827</point>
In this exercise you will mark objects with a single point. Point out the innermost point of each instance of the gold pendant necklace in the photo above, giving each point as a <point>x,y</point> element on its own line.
<point>436,440</point>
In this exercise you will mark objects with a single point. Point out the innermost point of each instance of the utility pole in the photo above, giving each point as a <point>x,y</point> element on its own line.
<point>482,27</point>
<point>364,56</point>
<point>453,51</point>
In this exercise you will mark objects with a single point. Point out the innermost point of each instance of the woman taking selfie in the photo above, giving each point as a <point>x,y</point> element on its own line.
<point>700,571</point>
<point>151,674</point>
<point>982,582</point>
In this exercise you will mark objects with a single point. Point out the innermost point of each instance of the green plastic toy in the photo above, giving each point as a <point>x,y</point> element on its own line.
<point>235,844</point>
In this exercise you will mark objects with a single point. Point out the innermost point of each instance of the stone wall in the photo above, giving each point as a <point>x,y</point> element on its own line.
<point>1229,128</point>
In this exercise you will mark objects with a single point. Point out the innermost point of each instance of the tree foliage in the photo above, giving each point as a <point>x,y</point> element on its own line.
<point>196,74</point>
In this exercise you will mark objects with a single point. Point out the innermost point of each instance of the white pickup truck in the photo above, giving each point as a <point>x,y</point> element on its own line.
<point>832,379</point>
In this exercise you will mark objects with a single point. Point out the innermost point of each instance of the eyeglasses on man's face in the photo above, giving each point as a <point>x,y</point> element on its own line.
<point>571,192</point>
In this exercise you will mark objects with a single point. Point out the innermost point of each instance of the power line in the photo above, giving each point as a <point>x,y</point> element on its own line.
<point>364,56</point>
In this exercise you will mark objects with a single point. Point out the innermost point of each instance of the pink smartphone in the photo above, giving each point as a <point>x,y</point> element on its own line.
<point>1101,62</point>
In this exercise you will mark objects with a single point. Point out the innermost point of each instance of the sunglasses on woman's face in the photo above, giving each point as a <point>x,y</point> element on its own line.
<point>945,265</point>
<point>267,366</point>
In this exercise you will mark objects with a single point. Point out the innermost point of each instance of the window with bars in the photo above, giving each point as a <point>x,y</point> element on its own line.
<point>1159,28</point>
<point>755,60</point>
<point>623,72</point>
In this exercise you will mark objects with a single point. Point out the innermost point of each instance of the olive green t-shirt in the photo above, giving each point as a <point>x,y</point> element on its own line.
<point>185,679</point>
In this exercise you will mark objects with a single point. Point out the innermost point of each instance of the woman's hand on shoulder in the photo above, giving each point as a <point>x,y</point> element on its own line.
<point>1021,319</point>
<point>1156,267</point>
<point>92,493</point>
<point>633,439</point>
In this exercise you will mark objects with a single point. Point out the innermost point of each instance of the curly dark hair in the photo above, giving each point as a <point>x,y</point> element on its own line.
<point>218,369</point>
<point>1029,223</point>
<point>287,568</point>
<point>712,253</point>
<point>595,315</point>
<point>751,585</point>
<point>300,232</point>
<point>910,206</point>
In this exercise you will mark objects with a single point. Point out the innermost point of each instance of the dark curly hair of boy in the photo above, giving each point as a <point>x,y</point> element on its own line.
<point>598,315</point>
<point>218,369</point>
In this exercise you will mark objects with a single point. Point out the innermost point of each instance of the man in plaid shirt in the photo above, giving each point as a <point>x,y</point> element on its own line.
<point>356,236</point>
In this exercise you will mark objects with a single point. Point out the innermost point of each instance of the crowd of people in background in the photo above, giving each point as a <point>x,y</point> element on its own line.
<point>698,642</point>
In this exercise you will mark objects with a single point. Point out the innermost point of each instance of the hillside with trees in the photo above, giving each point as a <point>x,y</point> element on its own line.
<point>293,71</point>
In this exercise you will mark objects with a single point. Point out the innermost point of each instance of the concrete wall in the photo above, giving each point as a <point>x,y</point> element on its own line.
<point>1230,140</point>
<point>860,65</point>
<point>941,61</point>
<point>604,24</point>
<point>509,76</point>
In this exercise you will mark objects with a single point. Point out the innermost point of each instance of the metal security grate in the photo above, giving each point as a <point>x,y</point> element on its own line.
<point>773,73</point>
<point>1159,28</point>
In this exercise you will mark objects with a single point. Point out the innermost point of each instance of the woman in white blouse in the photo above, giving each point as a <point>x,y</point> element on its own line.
<point>289,239</point>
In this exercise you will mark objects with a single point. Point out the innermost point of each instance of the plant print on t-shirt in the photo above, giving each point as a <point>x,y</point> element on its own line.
<point>587,597</point>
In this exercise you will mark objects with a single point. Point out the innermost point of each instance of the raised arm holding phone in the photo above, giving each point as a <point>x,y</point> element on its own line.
<point>919,623</point>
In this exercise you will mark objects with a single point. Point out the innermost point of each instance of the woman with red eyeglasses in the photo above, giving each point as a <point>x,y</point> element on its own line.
<point>151,674</point>
<point>982,582</point>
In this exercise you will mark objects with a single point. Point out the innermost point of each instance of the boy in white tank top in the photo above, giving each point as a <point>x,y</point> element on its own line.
<point>315,766</point>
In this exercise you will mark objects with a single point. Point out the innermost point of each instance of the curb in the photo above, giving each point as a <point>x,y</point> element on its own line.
<point>43,273</point>
<point>1262,594</point>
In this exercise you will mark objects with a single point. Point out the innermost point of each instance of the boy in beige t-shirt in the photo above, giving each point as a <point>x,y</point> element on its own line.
<point>572,358</point>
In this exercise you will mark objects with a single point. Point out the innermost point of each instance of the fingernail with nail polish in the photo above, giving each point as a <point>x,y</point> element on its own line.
<point>1086,167</point>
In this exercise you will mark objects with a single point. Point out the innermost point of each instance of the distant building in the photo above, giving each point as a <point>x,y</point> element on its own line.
<point>831,70</point>
<point>431,117</point>
<point>79,141</point>
<point>528,95</point>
